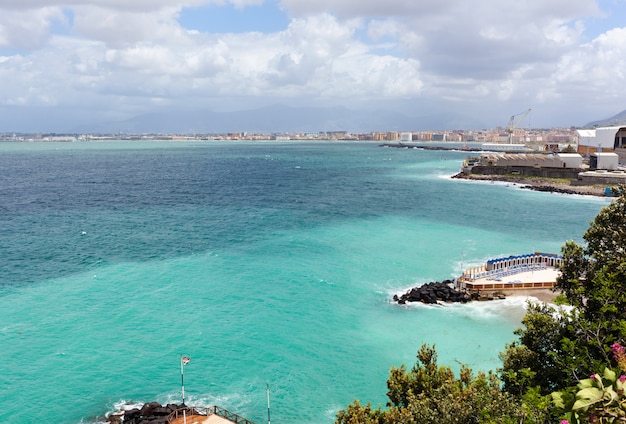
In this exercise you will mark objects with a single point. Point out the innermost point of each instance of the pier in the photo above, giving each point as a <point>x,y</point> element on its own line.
<point>523,272</point>
<point>211,415</point>
<point>155,413</point>
<point>532,274</point>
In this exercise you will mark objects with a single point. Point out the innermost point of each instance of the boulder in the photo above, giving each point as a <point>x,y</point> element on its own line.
<point>431,293</point>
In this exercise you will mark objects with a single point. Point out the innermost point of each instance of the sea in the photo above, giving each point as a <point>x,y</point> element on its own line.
<point>271,265</point>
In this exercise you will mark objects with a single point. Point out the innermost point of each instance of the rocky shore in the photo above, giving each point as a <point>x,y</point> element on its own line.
<point>441,291</point>
<point>538,184</point>
<point>150,413</point>
<point>444,292</point>
<point>401,145</point>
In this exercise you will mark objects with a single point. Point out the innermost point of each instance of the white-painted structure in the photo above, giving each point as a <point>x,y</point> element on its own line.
<point>604,160</point>
<point>601,139</point>
<point>504,147</point>
<point>570,160</point>
<point>406,136</point>
<point>534,160</point>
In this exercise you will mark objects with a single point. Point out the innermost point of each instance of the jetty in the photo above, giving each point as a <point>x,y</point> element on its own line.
<point>154,413</point>
<point>528,274</point>
<point>512,274</point>
<point>212,415</point>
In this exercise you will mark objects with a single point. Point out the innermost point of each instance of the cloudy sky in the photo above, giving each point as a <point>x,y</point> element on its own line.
<point>474,63</point>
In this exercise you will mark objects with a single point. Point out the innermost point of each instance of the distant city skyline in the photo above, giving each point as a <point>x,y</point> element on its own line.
<point>536,137</point>
<point>297,65</point>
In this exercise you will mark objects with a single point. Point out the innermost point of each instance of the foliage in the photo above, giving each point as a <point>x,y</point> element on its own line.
<point>597,399</point>
<point>593,277</point>
<point>557,348</point>
<point>431,393</point>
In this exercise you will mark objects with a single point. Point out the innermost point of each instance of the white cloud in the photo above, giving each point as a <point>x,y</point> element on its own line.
<point>378,29</point>
<point>126,54</point>
<point>599,66</point>
<point>125,28</point>
<point>120,5</point>
<point>27,29</point>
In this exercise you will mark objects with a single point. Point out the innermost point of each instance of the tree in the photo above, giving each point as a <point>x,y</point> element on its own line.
<point>593,278</point>
<point>557,349</point>
<point>430,393</point>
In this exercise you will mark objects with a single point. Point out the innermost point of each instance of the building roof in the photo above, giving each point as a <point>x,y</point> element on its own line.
<point>586,133</point>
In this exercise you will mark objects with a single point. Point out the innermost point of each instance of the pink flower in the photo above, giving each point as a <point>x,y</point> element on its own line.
<point>618,351</point>
<point>564,422</point>
<point>620,355</point>
<point>622,378</point>
<point>592,376</point>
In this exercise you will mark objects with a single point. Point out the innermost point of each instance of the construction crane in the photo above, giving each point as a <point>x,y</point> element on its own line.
<point>514,123</point>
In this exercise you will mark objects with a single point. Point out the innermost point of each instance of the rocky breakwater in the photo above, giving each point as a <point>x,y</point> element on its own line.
<point>432,293</point>
<point>150,413</point>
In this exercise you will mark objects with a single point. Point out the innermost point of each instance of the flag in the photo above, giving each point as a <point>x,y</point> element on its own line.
<point>186,360</point>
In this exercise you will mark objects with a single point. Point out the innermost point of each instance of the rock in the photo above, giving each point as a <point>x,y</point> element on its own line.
<point>150,413</point>
<point>148,408</point>
<point>431,293</point>
<point>114,419</point>
<point>131,415</point>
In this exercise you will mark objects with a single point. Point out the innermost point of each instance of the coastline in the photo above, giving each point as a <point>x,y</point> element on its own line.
<point>538,184</point>
<point>543,295</point>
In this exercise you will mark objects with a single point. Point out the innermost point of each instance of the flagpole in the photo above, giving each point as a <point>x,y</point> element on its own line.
<point>182,378</point>
<point>268,403</point>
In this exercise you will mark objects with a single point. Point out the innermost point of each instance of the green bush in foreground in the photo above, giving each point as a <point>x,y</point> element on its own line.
<point>559,348</point>
<point>429,393</point>
<point>597,399</point>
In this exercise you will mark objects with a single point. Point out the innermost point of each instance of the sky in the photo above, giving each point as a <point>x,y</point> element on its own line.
<point>471,64</point>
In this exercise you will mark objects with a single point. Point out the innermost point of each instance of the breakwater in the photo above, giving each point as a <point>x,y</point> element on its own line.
<point>152,412</point>
<point>155,413</point>
<point>436,148</point>
<point>432,293</point>
<point>444,291</point>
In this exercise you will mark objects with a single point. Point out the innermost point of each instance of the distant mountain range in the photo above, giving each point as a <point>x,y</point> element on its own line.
<point>270,119</point>
<point>277,118</point>
<point>619,119</point>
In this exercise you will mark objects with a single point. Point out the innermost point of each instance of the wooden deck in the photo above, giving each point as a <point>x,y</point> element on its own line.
<point>210,415</point>
<point>202,419</point>
<point>537,279</point>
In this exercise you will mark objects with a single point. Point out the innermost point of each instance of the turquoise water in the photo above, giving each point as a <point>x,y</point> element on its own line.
<point>266,263</point>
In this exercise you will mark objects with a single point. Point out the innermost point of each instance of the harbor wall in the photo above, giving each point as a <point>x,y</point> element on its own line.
<point>528,171</point>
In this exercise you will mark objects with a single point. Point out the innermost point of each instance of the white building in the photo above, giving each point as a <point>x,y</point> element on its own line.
<point>603,160</point>
<point>570,160</point>
<point>601,139</point>
<point>406,136</point>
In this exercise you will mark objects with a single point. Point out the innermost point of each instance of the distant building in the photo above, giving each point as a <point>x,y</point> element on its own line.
<point>504,147</point>
<point>392,136</point>
<point>570,160</point>
<point>532,160</point>
<point>406,136</point>
<point>604,139</point>
<point>603,160</point>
